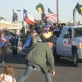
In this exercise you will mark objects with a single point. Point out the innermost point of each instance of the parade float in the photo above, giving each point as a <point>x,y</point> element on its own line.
<point>46,28</point>
<point>77,8</point>
<point>47,31</point>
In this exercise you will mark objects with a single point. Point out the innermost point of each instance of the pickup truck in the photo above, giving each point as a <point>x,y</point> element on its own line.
<point>69,44</point>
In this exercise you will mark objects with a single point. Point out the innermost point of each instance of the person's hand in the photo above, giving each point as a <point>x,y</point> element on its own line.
<point>0,79</point>
<point>14,80</point>
<point>20,48</point>
<point>3,39</point>
<point>53,73</point>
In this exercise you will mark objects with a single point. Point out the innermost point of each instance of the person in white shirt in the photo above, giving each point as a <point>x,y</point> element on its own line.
<point>7,76</point>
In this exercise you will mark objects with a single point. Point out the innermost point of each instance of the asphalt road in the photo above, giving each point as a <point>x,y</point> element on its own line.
<point>65,72</point>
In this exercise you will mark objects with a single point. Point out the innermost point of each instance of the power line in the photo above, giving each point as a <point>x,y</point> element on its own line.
<point>10,2</point>
<point>67,4</point>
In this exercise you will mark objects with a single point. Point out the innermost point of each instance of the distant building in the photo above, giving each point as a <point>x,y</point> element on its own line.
<point>11,26</point>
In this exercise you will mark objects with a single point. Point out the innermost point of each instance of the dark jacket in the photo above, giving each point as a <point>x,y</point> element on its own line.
<point>13,40</point>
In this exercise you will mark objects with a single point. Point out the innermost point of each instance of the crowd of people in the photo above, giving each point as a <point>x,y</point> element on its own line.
<point>5,40</point>
<point>40,28</point>
<point>43,26</point>
<point>39,55</point>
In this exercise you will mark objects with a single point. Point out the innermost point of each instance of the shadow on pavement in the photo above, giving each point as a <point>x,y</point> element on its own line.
<point>19,59</point>
<point>66,62</point>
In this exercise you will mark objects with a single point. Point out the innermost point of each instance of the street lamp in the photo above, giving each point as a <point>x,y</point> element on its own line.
<point>19,14</point>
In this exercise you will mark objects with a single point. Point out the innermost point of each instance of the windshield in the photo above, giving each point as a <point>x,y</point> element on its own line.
<point>77,32</point>
<point>57,33</point>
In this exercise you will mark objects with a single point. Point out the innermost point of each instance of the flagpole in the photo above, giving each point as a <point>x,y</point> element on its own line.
<point>57,8</point>
<point>23,17</point>
<point>23,13</point>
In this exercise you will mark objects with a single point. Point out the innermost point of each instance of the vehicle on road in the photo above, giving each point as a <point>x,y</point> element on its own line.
<point>69,44</point>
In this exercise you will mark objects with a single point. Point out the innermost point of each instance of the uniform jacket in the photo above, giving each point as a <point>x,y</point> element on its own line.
<point>2,43</point>
<point>31,41</point>
<point>13,40</point>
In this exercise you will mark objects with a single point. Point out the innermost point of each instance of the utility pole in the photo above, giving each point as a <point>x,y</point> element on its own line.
<point>19,15</point>
<point>57,9</point>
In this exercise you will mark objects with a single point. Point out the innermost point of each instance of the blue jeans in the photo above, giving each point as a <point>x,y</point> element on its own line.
<point>30,69</point>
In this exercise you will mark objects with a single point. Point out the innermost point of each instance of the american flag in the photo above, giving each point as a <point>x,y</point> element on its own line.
<point>51,15</point>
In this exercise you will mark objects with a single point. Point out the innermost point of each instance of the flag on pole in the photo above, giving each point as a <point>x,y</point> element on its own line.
<point>28,17</point>
<point>51,15</point>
